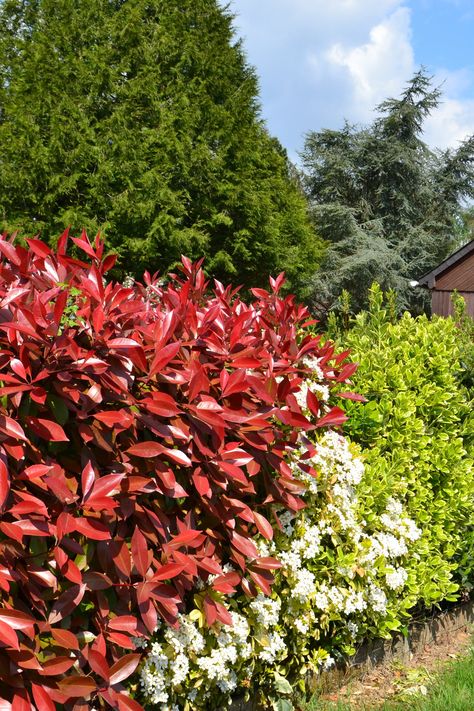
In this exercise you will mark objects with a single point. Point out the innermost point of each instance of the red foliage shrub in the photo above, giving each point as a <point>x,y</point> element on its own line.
<point>143,433</point>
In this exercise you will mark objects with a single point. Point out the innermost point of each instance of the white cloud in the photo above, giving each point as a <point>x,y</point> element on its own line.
<point>323,61</point>
<point>378,68</point>
<point>452,122</point>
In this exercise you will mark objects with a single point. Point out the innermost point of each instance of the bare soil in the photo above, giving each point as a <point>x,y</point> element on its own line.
<point>395,680</point>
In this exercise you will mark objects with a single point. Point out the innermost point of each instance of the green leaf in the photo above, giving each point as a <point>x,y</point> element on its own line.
<point>282,685</point>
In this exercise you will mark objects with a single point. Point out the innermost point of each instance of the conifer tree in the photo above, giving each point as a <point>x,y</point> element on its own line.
<point>390,207</point>
<point>141,118</point>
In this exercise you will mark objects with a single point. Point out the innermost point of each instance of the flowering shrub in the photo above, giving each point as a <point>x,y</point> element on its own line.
<point>342,578</point>
<point>147,436</point>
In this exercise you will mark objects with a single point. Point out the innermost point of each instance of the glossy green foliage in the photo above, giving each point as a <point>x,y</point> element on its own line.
<point>416,431</point>
<point>141,119</point>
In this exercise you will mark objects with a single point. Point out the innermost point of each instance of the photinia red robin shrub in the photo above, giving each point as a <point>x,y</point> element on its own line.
<point>143,436</point>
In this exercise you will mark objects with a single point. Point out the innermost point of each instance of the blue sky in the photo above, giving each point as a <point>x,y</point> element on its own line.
<point>322,61</point>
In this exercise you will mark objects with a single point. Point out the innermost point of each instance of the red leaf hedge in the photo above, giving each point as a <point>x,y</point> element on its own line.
<point>143,434</point>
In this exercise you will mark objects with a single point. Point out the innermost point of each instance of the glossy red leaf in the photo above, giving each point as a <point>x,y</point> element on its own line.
<point>333,418</point>
<point>16,619</point>
<point>146,449</point>
<point>66,603</point>
<point>163,357</point>
<point>57,666</point>
<point>47,429</point>
<point>20,702</point>
<point>124,623</point>
<point>87,479</point>
<point>77,686</point>
<point>98,664</point>
<point>263,525</point>
<point>65,638</point>
<point>11,428</point>
<point>187,538</point>
<point>125,703</point>
<point>124,667</point>
<point>8,636</point>
<point>4,483</point>
<point>244,545</point>
<point>42,699</point>
<point>352,396</point>
<point>140,552</point>
<point>168,571</point>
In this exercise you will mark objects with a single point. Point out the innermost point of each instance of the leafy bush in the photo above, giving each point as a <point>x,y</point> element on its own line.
<point>465,324</point>
<point>145,435</point>
<point>416,433</point>
<point>342,579</point>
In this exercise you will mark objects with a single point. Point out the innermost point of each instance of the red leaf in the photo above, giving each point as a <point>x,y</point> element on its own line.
<point>66,603</point>
<point>210,610</point>
<point>334,417</point>
<point>226,583</point>
<point>77,686</point>
<point>20,700</point>
<point>124,668</point>
<point>125,703</point>
<point>263,525</point>
<point>84,245</point>
<point>42,699</point>
<point>346,372</point>
<point>266,563</point>
<point>114,417</point>
<point>140,552</point>
<point>92,529</point>
<point>13,295</point>
<point>4,483</point>
<point>12,428</point>
<point>8,636</point>
<point>57,666</point>
<point>46,429</point>
<point>121,640</point>
<point>38,247</point>
<point>168,571</point>
<point>87,479</point>
<point>187,538</point>
<point>98,664</point>
<point>65,638</point>
<point>16,619</point>
<point>161,404</point>
<point>163,357</point>
<point>244,545</point>
<point>123,623</point>
<point>10,252</point>
<point>263,580</point>
<point>146,449</point>
<point>352,396</point>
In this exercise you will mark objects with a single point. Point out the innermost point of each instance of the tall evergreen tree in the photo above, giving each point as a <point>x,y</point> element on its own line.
<point>390,207</point>
<point>141,118</point>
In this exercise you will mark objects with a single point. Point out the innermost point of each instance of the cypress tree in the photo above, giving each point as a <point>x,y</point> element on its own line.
<point>141,118</point>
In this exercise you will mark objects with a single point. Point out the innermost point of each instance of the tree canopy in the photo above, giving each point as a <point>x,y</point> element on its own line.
<point>390,207</point>
<point>141,118</point>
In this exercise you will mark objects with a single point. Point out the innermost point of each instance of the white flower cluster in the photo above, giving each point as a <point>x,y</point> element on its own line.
<point>339,576</point>
<point>165,674</point>
<point>313,384</point>
<point>334,511</point>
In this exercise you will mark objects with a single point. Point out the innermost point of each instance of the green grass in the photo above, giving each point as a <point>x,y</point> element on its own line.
<point>451,690</point>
